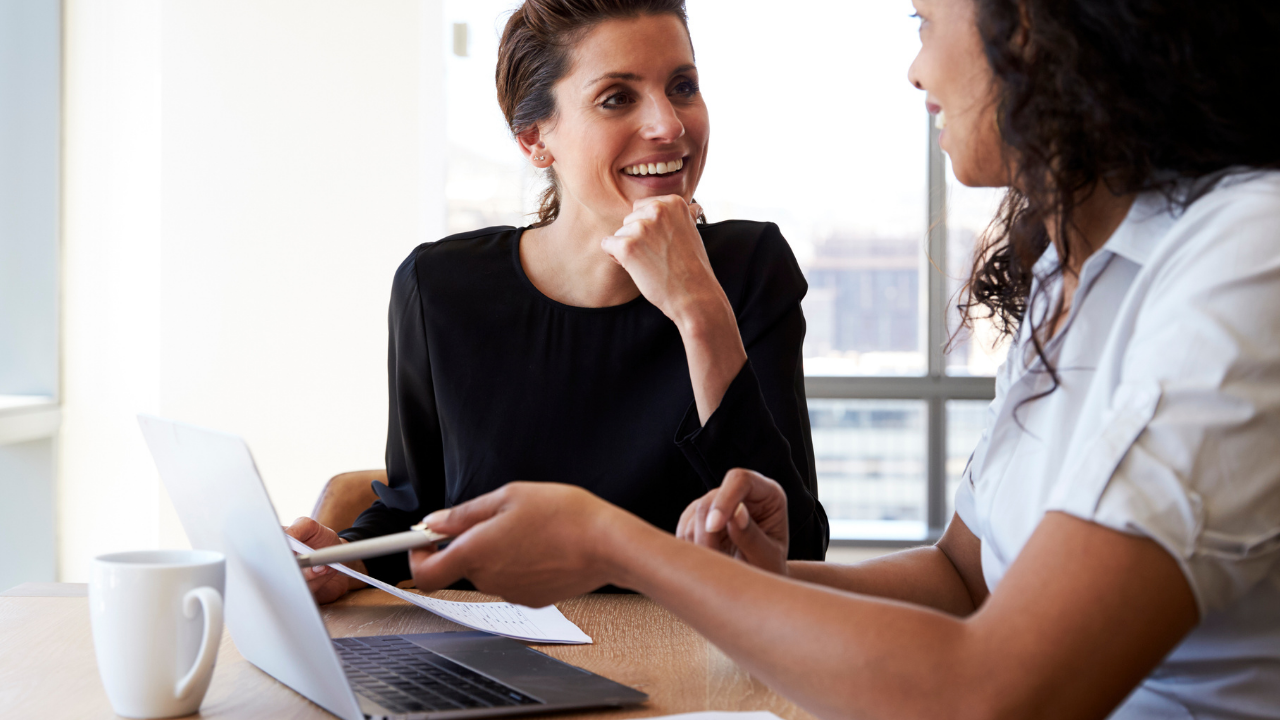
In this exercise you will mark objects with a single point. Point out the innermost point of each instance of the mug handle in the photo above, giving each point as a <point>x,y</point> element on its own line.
<point>211,602</point>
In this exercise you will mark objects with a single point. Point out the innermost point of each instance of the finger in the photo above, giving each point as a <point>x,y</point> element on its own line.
<point>645,202</point>
<point>689,518</point>
<point>735,488</point>
<point>645,212</point>
<point>304,528</point>
<point>702,536</point>
<point>610,248</point>
<point>653,207</point>
<point>739,486</point>
<point>751,540</point>
<point>458,519</point>
<point>316,583</point>
<point>620,248</point>
<point>684,528</point>
<point>438,570</point>
<point>632,227</point>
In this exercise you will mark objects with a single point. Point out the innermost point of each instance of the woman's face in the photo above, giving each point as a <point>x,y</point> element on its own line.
<point>630,122</point>
<point>953,70</point>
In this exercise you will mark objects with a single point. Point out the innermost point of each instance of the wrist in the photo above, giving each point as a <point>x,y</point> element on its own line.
<point>624,540</point>
<point>703,317</point>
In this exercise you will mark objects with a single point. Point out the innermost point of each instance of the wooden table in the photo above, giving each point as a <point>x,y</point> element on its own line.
<point>48,670</point>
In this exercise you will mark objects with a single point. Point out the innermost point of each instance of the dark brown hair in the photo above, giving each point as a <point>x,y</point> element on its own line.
<point>1122,96</point>
<point>533,56</point>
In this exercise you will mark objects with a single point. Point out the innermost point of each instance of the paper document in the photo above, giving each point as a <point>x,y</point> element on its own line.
<point>537,625</point>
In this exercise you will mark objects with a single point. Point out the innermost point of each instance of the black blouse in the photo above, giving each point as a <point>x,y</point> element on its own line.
<point>492,381</point>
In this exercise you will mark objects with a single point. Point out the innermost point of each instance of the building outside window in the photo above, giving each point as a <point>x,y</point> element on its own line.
<point>822,135</point>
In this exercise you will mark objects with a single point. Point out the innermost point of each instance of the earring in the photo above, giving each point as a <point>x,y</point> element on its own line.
<point>541,157</point>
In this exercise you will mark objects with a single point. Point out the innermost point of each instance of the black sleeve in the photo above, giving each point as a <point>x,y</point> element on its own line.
<point>762,423</point>
<point>415,456</point>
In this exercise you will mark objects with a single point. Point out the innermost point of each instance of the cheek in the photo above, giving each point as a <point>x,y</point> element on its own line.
<point>699,130</point>
<point>975,150</point>
<point>586,160</point>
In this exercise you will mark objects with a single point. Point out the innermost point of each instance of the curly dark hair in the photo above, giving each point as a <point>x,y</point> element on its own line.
<point>1122,95</point>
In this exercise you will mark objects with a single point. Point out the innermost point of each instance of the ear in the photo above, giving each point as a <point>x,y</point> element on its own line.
<point>533,147</point>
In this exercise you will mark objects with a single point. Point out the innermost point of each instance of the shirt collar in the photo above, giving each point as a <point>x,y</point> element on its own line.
<point>1143,228</point>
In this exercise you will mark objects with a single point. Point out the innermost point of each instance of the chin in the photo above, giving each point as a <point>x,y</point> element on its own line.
<point>970,173</point>
<point>971,166</point>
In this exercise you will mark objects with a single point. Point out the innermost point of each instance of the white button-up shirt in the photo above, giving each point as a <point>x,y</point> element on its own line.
<point>1166,425</point>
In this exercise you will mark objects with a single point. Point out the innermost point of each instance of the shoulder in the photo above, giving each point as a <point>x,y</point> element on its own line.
<point>1229,232</point>
<point>745,238</point>
<point>1244,205</point>
<point>750,257</point>
<point>464,255</point>
<point>475,244</point>
<point>1209,294</point>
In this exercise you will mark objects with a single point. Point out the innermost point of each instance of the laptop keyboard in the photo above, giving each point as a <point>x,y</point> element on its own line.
<point>407,678</point>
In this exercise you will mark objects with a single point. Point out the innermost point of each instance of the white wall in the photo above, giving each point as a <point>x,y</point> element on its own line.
<point>242,178</point>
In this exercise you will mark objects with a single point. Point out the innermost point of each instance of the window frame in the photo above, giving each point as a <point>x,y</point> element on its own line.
<point>935,387</point>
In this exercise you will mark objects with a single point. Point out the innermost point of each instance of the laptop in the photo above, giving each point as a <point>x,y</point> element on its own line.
<point>223,506</point>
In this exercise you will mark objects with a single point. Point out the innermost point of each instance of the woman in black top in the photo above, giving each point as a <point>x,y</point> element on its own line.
<point>641,367</point>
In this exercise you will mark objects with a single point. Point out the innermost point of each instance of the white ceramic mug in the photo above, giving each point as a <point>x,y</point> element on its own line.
<point>155,653</point>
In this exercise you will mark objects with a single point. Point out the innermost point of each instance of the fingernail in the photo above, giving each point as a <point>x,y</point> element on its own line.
<point>741,517</point>
<point>437,518</point>
<point>715,519</point>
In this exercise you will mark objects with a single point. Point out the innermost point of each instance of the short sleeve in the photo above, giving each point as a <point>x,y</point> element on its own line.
<point>1185,454</point>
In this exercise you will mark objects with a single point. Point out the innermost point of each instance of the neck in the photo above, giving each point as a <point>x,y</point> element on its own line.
<point>565,262</point>
<point>1093,222</point>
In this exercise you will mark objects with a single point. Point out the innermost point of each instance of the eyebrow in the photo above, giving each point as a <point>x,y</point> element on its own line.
<point>632,76</point>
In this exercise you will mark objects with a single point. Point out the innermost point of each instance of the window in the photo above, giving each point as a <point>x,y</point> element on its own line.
<point>488,182</point>
<point>30,52</point>
<point>840,153</point>
<point>814,127</point>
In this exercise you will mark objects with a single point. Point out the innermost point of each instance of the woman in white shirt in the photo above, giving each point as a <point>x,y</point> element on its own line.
<point>1116,544</point>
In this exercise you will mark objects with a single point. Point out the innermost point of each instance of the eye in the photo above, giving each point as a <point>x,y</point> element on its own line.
<point>687,88</point>
<point>617,100</point>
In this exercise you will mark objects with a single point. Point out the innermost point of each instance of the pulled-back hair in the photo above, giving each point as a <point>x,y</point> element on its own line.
<point>1114,95</point>
<point>533,56</point>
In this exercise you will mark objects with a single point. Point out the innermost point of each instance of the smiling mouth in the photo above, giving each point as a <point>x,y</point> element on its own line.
<point>667,168</point>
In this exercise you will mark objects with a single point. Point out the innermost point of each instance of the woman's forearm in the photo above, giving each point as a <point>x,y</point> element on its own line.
<point>834,653</point>
<point>921,576</point>
<point>713,349</point>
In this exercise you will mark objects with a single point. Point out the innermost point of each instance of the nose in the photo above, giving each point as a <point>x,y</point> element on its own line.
<point>913,76</point>
<point>661,123</point>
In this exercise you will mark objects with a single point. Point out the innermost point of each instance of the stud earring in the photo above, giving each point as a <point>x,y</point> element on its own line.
<point>541,157</point>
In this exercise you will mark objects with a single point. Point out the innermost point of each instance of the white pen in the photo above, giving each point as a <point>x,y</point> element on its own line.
<point>418,536</point>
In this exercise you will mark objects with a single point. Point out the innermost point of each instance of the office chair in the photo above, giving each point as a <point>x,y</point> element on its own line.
<point>345,496</point>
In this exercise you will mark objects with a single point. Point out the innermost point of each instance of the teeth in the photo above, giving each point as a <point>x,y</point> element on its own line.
<point>655,168</point>
<point>940,120</point>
